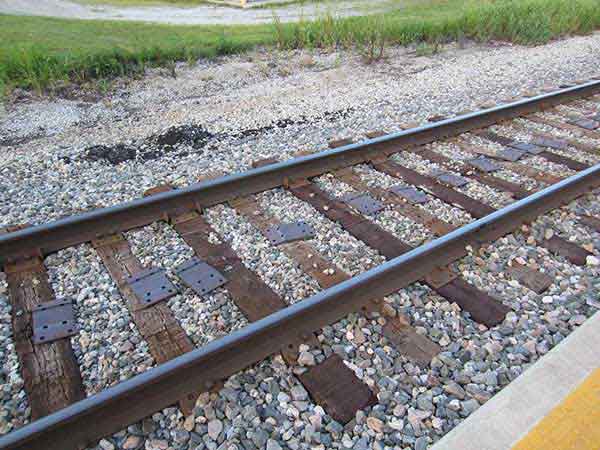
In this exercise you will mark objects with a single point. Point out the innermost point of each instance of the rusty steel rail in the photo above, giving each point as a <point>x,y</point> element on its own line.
<point>48,238</point>
<point>84,422</point>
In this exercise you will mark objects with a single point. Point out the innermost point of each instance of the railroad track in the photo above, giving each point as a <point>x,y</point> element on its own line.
<point>401,172</point>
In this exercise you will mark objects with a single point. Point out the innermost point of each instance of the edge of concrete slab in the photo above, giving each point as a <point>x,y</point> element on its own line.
<point>508,416</point>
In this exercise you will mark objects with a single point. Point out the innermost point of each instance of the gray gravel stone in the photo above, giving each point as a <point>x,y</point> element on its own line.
<point>273,445</point>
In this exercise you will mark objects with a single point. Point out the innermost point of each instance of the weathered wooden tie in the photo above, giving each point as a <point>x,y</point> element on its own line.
<point>572,252</point>
<point>590,221</point>
<point>532,279</point>
<point>50,372</point>
<point>156,323</point>
<point>337,389</point>
<point>336,143</point>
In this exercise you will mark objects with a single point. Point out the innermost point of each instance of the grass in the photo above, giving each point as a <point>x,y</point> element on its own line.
<point>39,51</point>
<point>36,52</point>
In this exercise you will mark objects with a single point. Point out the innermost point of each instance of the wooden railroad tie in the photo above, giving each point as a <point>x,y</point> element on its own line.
<point>157,324</point>
<point>51,375</point>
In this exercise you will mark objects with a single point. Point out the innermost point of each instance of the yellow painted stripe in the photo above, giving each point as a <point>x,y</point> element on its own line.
<point>573,425</point>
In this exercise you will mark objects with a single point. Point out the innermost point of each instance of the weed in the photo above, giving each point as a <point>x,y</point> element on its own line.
<point>103,86</point>
<point>280,31</point>
<point>371,41</point>
<point>427,48</point>
<point>171,66</point>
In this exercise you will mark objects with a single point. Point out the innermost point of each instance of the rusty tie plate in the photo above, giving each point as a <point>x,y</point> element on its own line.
<point>411,194</point>
<point>289,232</point>
<point>532,149</point>
<point>364,204</point>
<point>484,164</point>
<point>510,154</point>
<point>53,320</point>
<point>556,144</point>
<point>150,286</point>
<point>450,179</point>
<point>200,276</point>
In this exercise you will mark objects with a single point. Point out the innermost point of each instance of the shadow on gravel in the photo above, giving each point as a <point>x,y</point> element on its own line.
<point>180,139</point>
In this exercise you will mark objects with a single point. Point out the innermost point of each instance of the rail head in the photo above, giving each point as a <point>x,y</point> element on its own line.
<point>57,235</point>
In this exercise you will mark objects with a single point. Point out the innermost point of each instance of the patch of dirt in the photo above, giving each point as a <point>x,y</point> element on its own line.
<point>302,120</point>
<point>153,147</point>
<point>114,154</point>
<point>184,136</point>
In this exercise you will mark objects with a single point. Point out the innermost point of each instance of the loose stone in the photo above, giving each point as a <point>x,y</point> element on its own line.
<point>214,429</point>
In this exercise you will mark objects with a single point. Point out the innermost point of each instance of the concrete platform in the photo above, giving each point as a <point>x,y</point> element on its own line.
<point>554,405</point>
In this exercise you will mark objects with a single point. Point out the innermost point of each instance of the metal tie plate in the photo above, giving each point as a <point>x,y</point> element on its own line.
<point>151,286</point>
<point>510,154</point>
<point>587,124</point>
<point>532,149</point>
<point>53,320</point>
<point>289,232</point>
<point>450,179</point>
<point>484,164</point>
<point>200,276</point>
<point>364,203</point>
<point>551,143</point>
<point>410,193</point>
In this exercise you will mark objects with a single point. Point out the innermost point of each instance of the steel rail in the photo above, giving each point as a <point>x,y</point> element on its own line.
<point>113,409</point>
<point>51,237</point>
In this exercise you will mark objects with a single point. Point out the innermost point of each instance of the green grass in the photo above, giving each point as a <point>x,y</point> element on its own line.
<point>41,50</point>
<point>37,51</point>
